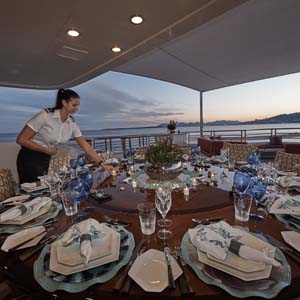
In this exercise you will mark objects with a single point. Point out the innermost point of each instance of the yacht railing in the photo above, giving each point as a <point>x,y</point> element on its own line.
<point>119,144</point>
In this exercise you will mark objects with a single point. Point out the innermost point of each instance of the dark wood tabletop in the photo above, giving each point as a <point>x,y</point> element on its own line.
<point>203,202</point>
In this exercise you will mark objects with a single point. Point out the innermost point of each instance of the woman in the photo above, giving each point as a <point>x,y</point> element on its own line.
<point>41,135</point>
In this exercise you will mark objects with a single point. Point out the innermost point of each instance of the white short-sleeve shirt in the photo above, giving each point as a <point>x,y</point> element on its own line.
<point>50,130</point>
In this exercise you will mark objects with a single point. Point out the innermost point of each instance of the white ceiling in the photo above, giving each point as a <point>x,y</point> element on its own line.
<point>201,44</point>
<point>256,40</point>
<point>33,35</point>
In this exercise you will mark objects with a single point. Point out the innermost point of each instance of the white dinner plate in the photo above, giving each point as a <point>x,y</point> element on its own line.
<point>292,238</point>
<point>58,267</point>
<point>150,271</point>
<point>240,267</point>
<point>28,216</point>
<point>70,255</point>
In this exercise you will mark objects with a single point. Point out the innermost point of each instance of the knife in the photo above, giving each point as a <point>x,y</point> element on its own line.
<point>29,252</point>
<point>284,248</point>
<point>170,273</point>
<point>122,279</point>
<point>208,220</point>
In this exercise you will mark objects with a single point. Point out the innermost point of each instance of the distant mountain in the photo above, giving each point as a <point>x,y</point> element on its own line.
<point>279,119</point>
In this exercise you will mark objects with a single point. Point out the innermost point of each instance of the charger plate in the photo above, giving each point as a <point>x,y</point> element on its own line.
<point>78,282</point>
<point>52,212</point>
<point>267,288</point>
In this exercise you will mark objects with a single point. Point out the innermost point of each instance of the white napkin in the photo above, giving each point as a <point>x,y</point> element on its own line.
<point>34,205</point>
<point>86,229</point>
<point>286,205</point>
<point>29,184</point>
<point>111,161</point>
<point>214,238</point>
<point>292,238</point>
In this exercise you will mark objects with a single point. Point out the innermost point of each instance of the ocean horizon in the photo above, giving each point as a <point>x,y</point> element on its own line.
<point>11,137</point>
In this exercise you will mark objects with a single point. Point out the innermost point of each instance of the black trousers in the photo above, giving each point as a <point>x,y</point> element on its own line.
<point>31,164</point>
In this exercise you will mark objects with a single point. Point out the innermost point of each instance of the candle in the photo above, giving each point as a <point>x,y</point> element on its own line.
<point>134,184</point>
<point>186,191</point>
<point>194,181</point>
<point>113,172</point>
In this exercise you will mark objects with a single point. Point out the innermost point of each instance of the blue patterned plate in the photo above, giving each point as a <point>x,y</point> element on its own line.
<point>78,282</point>
<point>50,214</point>
<point>266,288</point>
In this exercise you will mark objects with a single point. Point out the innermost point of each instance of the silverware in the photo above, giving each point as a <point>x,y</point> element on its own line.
<point>186,287</point>
<point>284,248</point>
<point>122,279</point>
<point>115,221</point>
<point>29,252</point>
<point>25,242</point>
<point>170,273</point>
<point>208,220</point>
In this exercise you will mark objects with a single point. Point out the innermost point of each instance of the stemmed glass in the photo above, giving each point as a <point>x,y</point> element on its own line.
<point>62,173</point>
<point>51,179</point>
<point>253,159</point>
<point>78,193</point>
<point>241,182</point>
<point>73,165</point>
<point>81,162</point>
<point>130,153</point>
<point>163,203</point>
<point>88,183</point>
<point>258,188</point>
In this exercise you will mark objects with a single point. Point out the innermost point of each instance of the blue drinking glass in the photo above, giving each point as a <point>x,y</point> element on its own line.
<point>258,188</point>
<point>73,165</point>
<point>78,193</point>
<point>253,158</point>
<point>81,161</point>
<point>241,182</point>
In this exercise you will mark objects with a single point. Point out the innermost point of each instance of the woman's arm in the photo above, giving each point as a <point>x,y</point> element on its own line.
<point>89,150</point>
<point>24,139</point>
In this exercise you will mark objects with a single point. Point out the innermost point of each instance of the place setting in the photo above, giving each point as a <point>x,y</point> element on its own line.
<point>89,252</point>
<point>241,263</point>
<point>22,212</point>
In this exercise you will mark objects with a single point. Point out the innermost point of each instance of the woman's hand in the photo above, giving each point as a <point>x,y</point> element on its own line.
<point>108,168</point>
<point>52,150</point>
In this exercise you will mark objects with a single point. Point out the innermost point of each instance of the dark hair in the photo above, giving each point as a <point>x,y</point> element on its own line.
<point>66,95</point>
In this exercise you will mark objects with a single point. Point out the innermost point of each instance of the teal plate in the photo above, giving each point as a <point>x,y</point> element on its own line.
<point>51,214</point>
<point>78,282</point>
<point>267,288</point>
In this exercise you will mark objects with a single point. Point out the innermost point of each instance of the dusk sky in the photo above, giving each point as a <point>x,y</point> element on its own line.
<point>119,100</point>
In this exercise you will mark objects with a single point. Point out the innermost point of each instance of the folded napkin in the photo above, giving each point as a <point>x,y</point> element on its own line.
<point>219,239</point>
<point>214,238</point>
<point>84,232</point>
<point>22,208</point>
<point>286,205</point>
<point>29,185</point>
<point>111,161</point>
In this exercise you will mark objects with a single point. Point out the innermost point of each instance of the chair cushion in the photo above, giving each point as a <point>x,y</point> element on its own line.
<point>57,162</point>
<point>240,152</point>
<point>287,161</point>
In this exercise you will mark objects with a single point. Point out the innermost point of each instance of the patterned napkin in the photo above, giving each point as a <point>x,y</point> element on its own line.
<point>84,232</point>
<point>214,238</point>
<point>286,205</point>
<point>31,206</point>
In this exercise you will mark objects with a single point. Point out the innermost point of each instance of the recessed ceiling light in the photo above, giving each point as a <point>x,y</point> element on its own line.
<point>116,49</point>
<point>136,20</point>
<point>73,33</point>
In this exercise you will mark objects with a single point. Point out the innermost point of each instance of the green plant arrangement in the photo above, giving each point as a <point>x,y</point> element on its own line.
<point>163,161</point>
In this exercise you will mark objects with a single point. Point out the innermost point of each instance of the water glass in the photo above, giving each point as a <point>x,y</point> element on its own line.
<point>147,215</point>
<point>242,206</point>
<point>231,164</point>
<point>69,204</point>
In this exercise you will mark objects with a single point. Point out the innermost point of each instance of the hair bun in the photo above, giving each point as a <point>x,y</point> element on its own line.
<point>61,91</point>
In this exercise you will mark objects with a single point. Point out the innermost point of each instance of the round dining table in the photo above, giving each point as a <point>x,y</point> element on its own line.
<point>204,201</point>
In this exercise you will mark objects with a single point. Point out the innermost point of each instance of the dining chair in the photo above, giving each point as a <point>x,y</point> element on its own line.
<point>58,162</point>
<point>239,152</point>
<point>7,184</point>
<point>287,162</point>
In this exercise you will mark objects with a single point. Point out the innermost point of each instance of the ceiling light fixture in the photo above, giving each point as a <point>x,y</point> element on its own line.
<point>136,20</point>
<point>116,49</point>
<point>73,33</point>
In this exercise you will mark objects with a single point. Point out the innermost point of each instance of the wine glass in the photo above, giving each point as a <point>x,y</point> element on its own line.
<point>81,162</point>
<point>51,179</point>
<point>62,173</point>
<point>241,182</point>
<point>78,193</point>
<point>73,165</point>
<point>258,188</point>
<point>88,183</point>
<point>163,203</point>
<point>129,153</point>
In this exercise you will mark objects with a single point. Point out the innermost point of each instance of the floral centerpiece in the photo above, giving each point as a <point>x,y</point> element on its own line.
<point>163,160</point>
